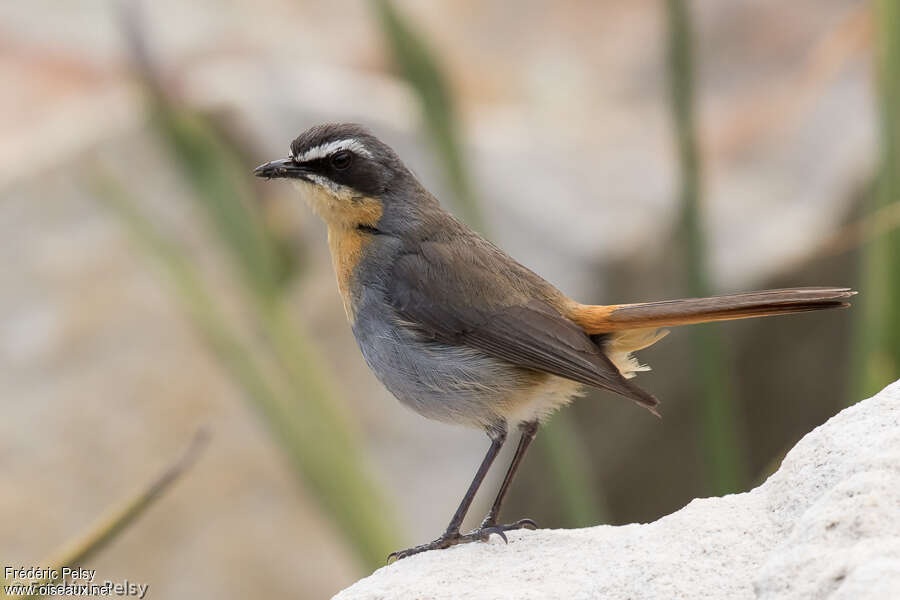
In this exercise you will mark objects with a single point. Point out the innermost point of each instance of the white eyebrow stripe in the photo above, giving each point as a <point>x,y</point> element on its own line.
<point>323,150</point>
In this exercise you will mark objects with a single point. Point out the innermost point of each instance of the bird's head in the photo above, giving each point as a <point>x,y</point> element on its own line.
<point>344,172</point>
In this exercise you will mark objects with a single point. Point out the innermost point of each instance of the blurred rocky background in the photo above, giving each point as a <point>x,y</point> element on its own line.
<point>150,286</point>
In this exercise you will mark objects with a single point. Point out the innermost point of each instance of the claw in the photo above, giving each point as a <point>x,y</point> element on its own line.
<point>445,541</point>
<point>525,524</point>
<point>482,534</point>
<point>487,528</point>
<point>486,532</point>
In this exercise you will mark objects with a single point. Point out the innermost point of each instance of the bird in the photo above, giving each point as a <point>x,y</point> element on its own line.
<point>462,333</point>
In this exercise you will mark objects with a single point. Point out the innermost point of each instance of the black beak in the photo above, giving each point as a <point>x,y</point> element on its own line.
<point>283,167</point>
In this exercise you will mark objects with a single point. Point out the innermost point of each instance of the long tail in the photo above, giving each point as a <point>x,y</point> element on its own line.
<point>669,313</point>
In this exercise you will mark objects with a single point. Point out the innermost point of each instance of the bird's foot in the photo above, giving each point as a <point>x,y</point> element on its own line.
<point>447,539</point>
<point>454,538</point>
<point>489,526</point>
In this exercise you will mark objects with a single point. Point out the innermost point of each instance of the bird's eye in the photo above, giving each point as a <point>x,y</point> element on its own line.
<point>341,160</point>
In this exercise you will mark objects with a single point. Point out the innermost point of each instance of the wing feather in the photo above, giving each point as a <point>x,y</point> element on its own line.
<point>451,295</point>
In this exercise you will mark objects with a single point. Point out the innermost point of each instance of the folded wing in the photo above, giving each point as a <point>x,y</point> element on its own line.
<point>458,297</point>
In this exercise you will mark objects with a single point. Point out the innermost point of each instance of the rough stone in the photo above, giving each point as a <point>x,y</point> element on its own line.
<point>825,525</point>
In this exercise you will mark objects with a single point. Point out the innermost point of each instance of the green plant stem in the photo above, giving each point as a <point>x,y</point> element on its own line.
<point>566,455</point>
<point>118,519</point>
<point>582,505</point>
<point>419,67</point>
<point>718,412</point>
<point>305,426</point>
<point>303,412</point>
<point>878,344</point>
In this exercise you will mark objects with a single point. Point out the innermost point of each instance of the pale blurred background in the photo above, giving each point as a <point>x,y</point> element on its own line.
<point>150,286</point>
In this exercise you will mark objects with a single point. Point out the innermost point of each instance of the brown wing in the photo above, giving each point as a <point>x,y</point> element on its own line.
<point>473,295</point>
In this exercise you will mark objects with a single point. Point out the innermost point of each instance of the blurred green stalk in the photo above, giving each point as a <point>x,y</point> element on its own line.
<point>278,370</point>
<point>222,188</point>
<point>560,438</point>
<point>577,489</point>
<point>879,332</point>
<point>418,66</point>
<point>718,412</point>
<point>300,412</point>
<point>110,525</point>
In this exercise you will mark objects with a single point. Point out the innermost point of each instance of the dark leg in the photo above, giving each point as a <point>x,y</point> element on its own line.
<point>497,440</point>
<point>529,430</point>
<point>451,536</point>
<point>489,524</point>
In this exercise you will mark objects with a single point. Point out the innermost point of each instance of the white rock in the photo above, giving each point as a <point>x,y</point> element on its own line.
<point>826,525</point>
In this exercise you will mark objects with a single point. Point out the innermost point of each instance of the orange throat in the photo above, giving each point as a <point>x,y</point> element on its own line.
<point>347,246</point>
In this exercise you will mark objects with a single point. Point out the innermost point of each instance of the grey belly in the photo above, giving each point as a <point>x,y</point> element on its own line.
<point>453,384</point>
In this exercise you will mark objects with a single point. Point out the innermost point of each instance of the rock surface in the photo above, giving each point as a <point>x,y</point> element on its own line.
<point>825,525</point>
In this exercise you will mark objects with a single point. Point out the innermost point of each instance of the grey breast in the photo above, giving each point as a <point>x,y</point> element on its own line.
<point>449,383</point>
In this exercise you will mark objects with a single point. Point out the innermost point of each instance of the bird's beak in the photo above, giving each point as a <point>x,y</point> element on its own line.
<point>283,167</point>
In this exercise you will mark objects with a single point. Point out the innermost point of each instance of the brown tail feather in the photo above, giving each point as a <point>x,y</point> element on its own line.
<point>669,313</point>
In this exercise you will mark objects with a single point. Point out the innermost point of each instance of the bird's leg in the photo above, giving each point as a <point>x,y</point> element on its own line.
<point>489,525</point>
<point>451,536</point>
